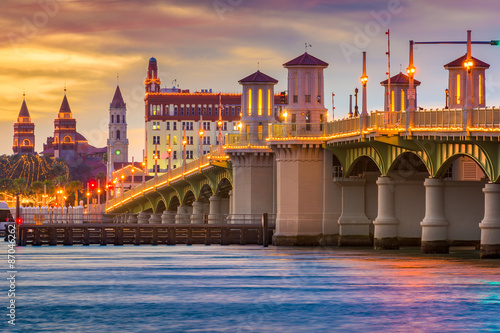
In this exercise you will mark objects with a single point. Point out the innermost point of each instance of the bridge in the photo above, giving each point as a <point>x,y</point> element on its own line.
<point>381,179</point>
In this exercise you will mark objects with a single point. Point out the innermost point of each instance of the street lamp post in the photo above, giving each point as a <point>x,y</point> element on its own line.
<point>356,112</point>
<point>201,143</point>
<point>447,92</point>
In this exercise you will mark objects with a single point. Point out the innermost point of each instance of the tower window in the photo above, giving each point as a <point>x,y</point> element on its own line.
<point>112,119</point>
<point>118,134</point>
<point>403,100</point>
<point>249,102</point>
<point>392,101</point>
<point>118,118</point>
<point>308,98</point>
<point>26,142</point>
<point>67,139</point>
<point>259,110</point>
<point>480,81</point>
<point>458,88</point>
<point>269,102</point>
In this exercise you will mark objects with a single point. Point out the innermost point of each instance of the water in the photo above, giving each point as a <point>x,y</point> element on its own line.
<point>251,289</point>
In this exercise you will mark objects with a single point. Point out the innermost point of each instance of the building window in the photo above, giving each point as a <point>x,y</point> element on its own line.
<point>259,109</point>
<point>206,125</point>
<point>167,110</point>
<point>156,153</point>
<point>259,129</point>
<point>27,142</point>
<point>175,110</point>
<point>319,98</point>
<point>206,140</point>
<point>175,139</point>
<point>118,134</point>
<point>224,126</point>
<point>156,125</point>
<point>458,88</point>
<point>233,111</point>
<point>238,109</point>
<point>449,173</point>
<point>112,119</point>
<point>175,156</point>
<point>156,140</point>
<point>189,140</point>
<point>189,154</point>
<point>117,118</point>
<point>168,125</point>
<point>156,168</point>
<point>175,125</point>
<point>295,98</point>
<point>182,111</point>
<point>235,126</point>
<point>308,98</point>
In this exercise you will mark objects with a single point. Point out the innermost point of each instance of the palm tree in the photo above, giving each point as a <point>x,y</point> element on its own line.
<point>36,187</point>
<point>73,188</point>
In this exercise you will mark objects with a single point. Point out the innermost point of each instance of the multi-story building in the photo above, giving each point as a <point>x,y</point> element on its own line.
<point>174,115</point>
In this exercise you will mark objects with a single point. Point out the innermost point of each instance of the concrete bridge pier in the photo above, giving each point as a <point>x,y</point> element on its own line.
<point>168,217</point>
<point>183,215</point>
<point>197,216</point>
<point>143,218</point>
<point>299,218</point>
<point>132,218</point>
<point>354,225</point>
<point>435,224</point>
<point>490,225</point>
<point>155,219</point>
<point>386,224</point>
<point>214,217</point>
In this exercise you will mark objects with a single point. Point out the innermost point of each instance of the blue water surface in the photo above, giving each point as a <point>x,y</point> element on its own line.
<point>250,289</point>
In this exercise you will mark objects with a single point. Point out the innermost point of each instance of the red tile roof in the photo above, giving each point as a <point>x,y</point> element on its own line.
<point>117,99</point>
<point>306,60</point>
<point>65,105</point>
<point>400,79</point>
<point>79,137</point>
<point>24,111</point>
<point>258,77</point>
<point>459,62</point>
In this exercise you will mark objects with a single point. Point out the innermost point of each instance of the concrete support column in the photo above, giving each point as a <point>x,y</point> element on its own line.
<point>168,217</point>
<point>214,217</point>
<point>386,223</point>
<point>354,225</point>
<point>132,218</point>
<point>490,225</point>
<point>143,218</point>
<point>435,224</point>
<point>180,217</point>
<point>155,219</point>
<point>197,216</point>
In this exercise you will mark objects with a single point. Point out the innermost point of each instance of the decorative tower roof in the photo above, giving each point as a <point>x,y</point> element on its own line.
<point>65,105</point>
<point>400,79</point>
<point>258,77</point>
<point>24,113</point>
<point>117,102</point>
<point>306,60</point>
<point>459,62</point>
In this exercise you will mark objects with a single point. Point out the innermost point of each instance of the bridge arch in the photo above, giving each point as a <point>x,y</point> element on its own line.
<point>174,203</point>
<point>408,164</point>
<point>223,188</point>
<point>354,155</point>
<point>160,207</point>
<point>363,163</point>
<point>443,168</point>
<point>189,198</point>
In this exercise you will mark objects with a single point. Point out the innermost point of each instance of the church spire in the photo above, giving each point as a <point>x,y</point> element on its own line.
<point>117,101</point>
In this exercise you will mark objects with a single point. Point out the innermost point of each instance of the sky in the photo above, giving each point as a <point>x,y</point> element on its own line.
<point>88,46</point>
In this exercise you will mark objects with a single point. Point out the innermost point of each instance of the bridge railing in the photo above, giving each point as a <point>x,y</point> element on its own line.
<point>297,130</point>
<point>486,118</point>
<point>439,118</point>
<point>245,139</point>
<point>381,120</point>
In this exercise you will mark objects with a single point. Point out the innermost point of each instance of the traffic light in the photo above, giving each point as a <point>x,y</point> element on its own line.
<point>92,185</point>
<point>19,221</point>
<point>283,97</point>
<point>110,186</point>
<point>495,42</point>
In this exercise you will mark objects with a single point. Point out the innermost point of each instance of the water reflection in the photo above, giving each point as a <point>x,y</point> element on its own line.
<point>252,289</point>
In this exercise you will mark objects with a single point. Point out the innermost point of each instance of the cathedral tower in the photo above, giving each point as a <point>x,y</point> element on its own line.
<point>24,132</point>
<point>65,132</point>
<point>117,139</point>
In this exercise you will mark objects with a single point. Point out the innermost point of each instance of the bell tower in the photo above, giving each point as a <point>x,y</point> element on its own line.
<point>152,81</point>
<point>306,92</point>
<point>24,132</point>
<point>117,138</point>
<point>65,132</point>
